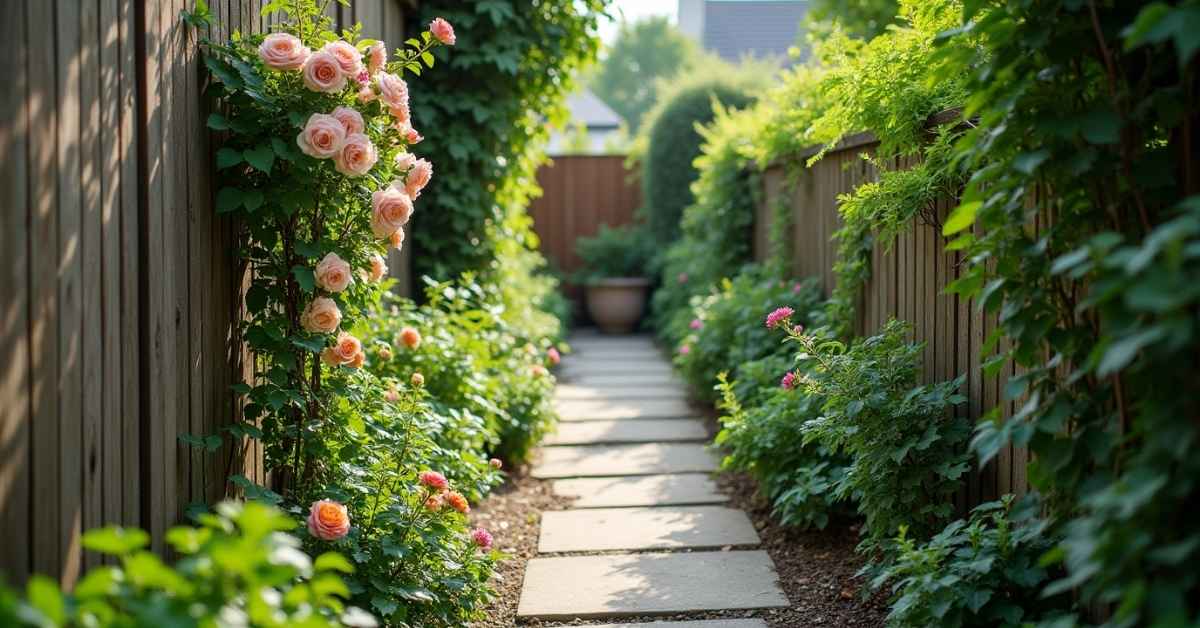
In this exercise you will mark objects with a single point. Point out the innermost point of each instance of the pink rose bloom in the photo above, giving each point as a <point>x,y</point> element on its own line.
<point>482,538</point>
<point>393,91</point>
<point>332,273</point>
<point>328,520</point>
<point>281,51</point>
<point>348,57</point>
<point>789,381</point>
<point>323,73</point>
<point>357,156</point>
<point>366,94</point>
<point>322,137</point>
<point>396,240</point>
<point>696,323</point>
<point>403,117</point>
<point>539,371</point>
<point>417,379</point>
<point>405,161</point>
<point>685,349</point>
<point>411,136</point>
<point>321,316</point>
<point>351,120</point>
<point>417,178</point>
<point>376,57</point>
<point>378,268</point>
<point>390,210</point>
<point>433,480</point>
<point>553,355</point>
<point>442,30</point>
<point>347,349</point>
<point>778,316</point>
<point>797,287</point>
<point>797,330</point>
<point>495,463</point>
<point>391,395</point>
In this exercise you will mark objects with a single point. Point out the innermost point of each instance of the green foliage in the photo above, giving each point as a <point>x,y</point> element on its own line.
<point>673,141</point>
<point>903,439</point>
<point>490,107</point>
<point>725,329</point>
<point>623,251</point>
<point>983,571</point>
<point>239,567</point>
<point>644,53</point>
<point>763,438</point>
<point>1094,282</point>
<point>860,18</point>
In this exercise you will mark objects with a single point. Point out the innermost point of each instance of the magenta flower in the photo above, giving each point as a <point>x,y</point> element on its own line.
<point>553,355</point>
<point>434,480</point>
<point>789,381</point>
<point>684,349</point>
<point>482,538</point>
<point>797,287</point>
<point>780,315</point>
<point>696,323</point>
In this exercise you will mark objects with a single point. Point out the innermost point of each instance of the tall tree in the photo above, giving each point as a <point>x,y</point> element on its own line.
<point>644,51</point>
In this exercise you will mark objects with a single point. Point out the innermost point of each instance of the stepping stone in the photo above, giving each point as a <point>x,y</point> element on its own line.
<point>617,367</point>
<point>650,490</point>
<point>679,527</point>
<point>642,408</point>
<point>703,623</point>
<point>641,431</point>
<point>648,584</point>
<point>575,392</point>
<point>612,460</point>
<point>665,379</point>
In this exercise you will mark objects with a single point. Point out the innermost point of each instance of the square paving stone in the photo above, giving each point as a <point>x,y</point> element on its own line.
<point>613,586</point>
<point>575,461</point>
<point>672,527</point>
<point>575,392</point>
<point>640,431</point>
<point>613,410</point>
<point>703,623</point>
<point>649,490</point>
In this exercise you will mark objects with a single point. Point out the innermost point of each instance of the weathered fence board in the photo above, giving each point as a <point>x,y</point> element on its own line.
<point>907,282</point>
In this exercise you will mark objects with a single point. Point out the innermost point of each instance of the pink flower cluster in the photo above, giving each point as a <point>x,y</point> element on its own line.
<point>789,381</point>
<point>339,136</point>
<point>553,356</point>
<point>780,315</point>
<point>696,324</point>
<point>482,538</point>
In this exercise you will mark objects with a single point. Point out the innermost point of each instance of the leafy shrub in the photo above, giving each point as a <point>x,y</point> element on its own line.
<point>673,143</point>
<point>614,252</point>
<point>905,444</point>
<point>239,567</point>
<point>983,571</point>
<point>725,329</point>
<point>765,440</point>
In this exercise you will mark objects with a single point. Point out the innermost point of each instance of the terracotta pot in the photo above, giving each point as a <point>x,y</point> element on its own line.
<point>617,304</point>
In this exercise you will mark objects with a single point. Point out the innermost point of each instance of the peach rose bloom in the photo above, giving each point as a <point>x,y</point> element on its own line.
<point>323,73</point>
<point>402,115</point>
<point>348,58</point>
<point>351,120</point>
<point>433,503</point>
<point>328,520</point>
<point>357,156</point>
<point>409,337</point>
<point>417,178</point>
<point>322,137</point>
<point>412,137</point>
<point>405,161</point>
<point>391,395</point>
<point>442,30</point>
<point>366,94</point>
<point>333,273</point>
<point>396,240</point>
<point>417,379</point>
<point>458,502</point>
<point>390,210</point>
<point>385,354</point>
<point>378,268</point>
<point>281,51</point>
<point>539,371</point>
<point>358,360</point>
<point>393,91</point>
<point>495,463</point>
<point>376,57</point>
<point>321,316</point>
<point>346,348</point>
<point>330,357</point>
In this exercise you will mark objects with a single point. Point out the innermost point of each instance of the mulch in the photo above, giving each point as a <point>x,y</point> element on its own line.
<point>816,568</point>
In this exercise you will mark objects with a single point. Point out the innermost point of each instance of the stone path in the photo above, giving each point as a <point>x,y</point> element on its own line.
<point>648,534</point>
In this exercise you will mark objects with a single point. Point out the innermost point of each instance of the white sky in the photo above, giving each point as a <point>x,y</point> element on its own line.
<point>633,10</point>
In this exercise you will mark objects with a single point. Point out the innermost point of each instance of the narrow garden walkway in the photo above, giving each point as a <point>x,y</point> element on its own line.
<point>649,533</point>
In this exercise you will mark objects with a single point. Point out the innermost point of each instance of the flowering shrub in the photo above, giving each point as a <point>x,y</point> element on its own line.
<point>239,567</point>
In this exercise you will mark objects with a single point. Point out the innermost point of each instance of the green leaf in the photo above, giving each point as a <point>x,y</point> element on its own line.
<point>1102,126</point>
<point>217,122</point>
<point>427,58</point>
<point>962,217</point>
<point>1121,353</point>
<point>1028,162</point>
<point>385,606</point>
<point>305,277</point>
<point>227,157</point>
<point>228,199</point>
<point>282,149</point>
<point>223,71</point>
<point>252,199</point>
<point>262,158</point>
<point>115,540</point>
<point>333,561</point>
<point>45,597</point>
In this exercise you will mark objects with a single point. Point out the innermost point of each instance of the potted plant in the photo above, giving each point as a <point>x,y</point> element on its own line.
<point>614,276</point>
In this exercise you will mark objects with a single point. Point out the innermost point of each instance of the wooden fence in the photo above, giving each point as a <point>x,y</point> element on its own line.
<point>580,193</point>
<point>120,293</point>
<point>907,281</point>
